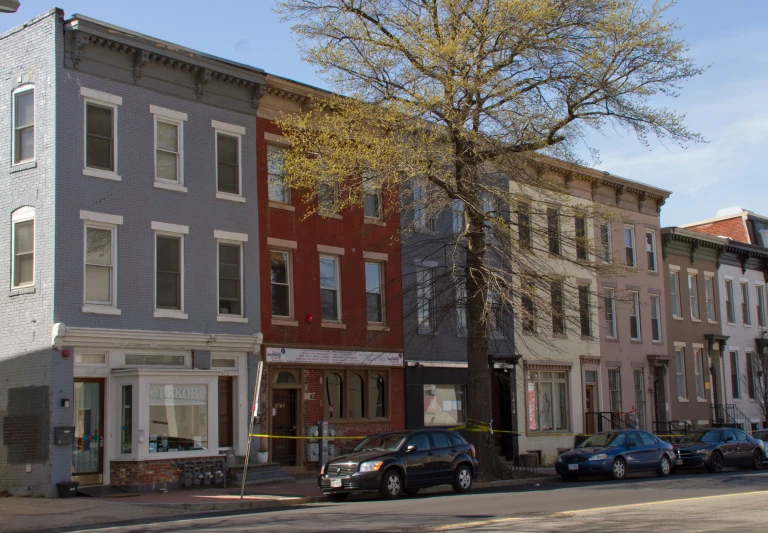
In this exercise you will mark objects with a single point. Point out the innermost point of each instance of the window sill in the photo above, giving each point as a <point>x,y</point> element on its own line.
<point>677,317</point>
<point>171,313</point>
<point>285,322</point>
<point>18,291</point>
<point>333,325</point>
<point>612,339</point>
<point>280,205</point>
<point>374,221</point>
<point>421,330</point>
<point>747,325</point>
<point>101,310</point>
<point>683,400</point>
<point>695,319</point>
<point>24,165</point>
<point>702,400</point>
<point>587,338</point>
<point>329,214</point>
<point>711,321</point>
<point>559,336</point>
<point>104,174</point>
<point>653,272</point>
<point>731,323</point>
<point>177,187</point>
<point>636,341</point>
<point>232,318</point>
<point>657,342</point>
<point>377,327</point>
<point>230,197</point>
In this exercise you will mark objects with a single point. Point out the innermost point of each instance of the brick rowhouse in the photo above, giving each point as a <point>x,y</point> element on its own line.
<point>348,371</point>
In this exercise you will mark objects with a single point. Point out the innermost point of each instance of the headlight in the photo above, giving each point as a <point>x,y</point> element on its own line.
<point>323,468</point>
<point>599,457</point>
<point>559,459</point>
<point>701,452</point>
<point>370,466</point>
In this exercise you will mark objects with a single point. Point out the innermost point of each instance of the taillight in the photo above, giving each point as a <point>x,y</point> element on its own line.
<point>472,450</point>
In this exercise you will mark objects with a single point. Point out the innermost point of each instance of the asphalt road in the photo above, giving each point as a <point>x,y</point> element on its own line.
<point>732,501</point>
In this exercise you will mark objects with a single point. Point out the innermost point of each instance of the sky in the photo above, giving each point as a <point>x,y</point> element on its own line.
<point>728,104</point>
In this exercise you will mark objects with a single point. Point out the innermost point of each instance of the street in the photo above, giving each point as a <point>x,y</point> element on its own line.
<point>694,502</point>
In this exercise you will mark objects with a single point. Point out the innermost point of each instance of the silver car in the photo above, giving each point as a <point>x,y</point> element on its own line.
<point>762,435</point>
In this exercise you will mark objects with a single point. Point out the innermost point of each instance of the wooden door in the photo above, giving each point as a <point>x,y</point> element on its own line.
<point>284,424</point>
<point>226,418</point>
<point>589,404</point>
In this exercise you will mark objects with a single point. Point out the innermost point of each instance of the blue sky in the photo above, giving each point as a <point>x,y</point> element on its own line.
<point>728,104</point>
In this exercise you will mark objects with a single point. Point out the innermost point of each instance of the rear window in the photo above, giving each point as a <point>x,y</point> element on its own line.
<point>456,439</point>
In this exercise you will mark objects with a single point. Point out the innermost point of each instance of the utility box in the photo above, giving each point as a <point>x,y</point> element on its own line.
<point>313,445</point>
<point>63,435</point>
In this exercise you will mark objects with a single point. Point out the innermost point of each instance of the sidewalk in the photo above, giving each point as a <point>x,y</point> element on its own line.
<point>52,514</point>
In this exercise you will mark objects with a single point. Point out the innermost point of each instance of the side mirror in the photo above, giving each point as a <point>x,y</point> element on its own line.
<point>411,448</point>
<point>728,439</point>
<point>631,444</point>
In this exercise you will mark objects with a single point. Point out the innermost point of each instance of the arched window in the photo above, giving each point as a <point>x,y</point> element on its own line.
<point>334,397</point>
<point>377,389</point>
<point>285,378</point>
<point>356,396</point>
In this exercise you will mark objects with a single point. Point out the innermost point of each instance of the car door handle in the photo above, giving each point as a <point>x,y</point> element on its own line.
<point>430,454</point>
<point>453,451</point>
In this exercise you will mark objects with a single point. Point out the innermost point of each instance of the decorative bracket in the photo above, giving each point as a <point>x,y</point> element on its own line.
<point>257,93</point>
<point>595,186</point>
<point>744,259</point>
<point>659,203</point>
<point>619,194</point>
<point>665,240</point>
<point>694,247</point>
<point>203,77</point>
<point>79,41</point>
<point>641,198</point>
<point>140,58</point>
<point>568,179</point>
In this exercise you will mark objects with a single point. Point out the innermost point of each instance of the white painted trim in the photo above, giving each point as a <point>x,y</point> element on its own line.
<point>332,325</point>
<point>337,280</point>
<point>229,236</point>
<point>112,228</point>
<point>277,139</point>
<point>679,344</point>
<point>675,267</point>
<point>697,345</point>
<point>101,310</point>
<point>20,216</point>
<point>232,318</point>
<point>167,113</point>
<point>240,244</point>
<point>101,96</point>
<point>728,276</point>
<point>28,87</point>
<point>179,181</point>
<point>334,250</point>
<point>744,280</point>
<point>100,173</point>
<point>692,270</point>
<point>159,231</point>
<point>282,321</point>
<point>376,256</point>
<point>426,264</point>
<point>171,313</point>
<point>230,197</point>
<point>170,186</point>
<point>170,228</point>
<point>229,128</point>
<point>708,274</point>
<point>279,205</point>
<point>282,243</point>
<point>101,217</point>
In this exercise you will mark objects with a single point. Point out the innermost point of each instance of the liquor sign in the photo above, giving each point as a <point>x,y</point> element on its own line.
<point>333,357</point>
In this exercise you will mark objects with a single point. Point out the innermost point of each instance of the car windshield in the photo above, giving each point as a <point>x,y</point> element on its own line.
<point>700,436</point>
<point>601,440</point>
<point>383,443</point>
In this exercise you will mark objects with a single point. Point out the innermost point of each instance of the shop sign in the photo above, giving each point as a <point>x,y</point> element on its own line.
<point>532,425</point>
<point>309,356</point>
<point>178,394</point>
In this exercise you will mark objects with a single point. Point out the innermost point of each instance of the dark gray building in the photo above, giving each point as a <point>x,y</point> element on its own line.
<point>130,205</point>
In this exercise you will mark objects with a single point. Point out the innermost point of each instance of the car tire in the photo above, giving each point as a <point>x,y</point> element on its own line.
<point>391,485</point>
<point>338,498</point>
<point>411,492</point>
<point>462,479</point>
<point>619,469</point>
<point>757,460</point>
<point>715,465</point>
<point>569,477</point>
<point>665,467</point>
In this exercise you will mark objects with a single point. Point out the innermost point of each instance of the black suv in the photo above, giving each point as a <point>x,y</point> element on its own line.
<point>401,463</point>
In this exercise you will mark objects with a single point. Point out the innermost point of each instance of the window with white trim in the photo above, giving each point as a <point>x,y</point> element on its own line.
<point>100,136</point>
<point>280,275</point>
<point>709,297</point>
<point>746,312</point>
<point>682,391</point>
<point>23,235</point>
<point>582,242</point>
<point>457,216</point>
<point>23,124</point>
<point>548,401</point>
<point>650,249</point>
<point>278,192</point>
<point>674,290</point>
<point>557,299</point>
<point>634,315</point>
<point>693,295</point>
<point>169,259</point>
<point>420,218</point>
<point>100,264</point>
<point>169,146</point>
<point>698,369</point>
<point>371,199</point>
<point>760,305</point>
<point>614,389</point>
<point>610,313</point>
<point>730,309</point>
<point>629,245</point>
<point>553,230</point>
<point>228,163</point>
<point>330,288</point>
<point>735,375</point>
<point>655,318</point>
<point>425,296</point>
<point>585,311</point>
<point>606,250</point>
<point>230,279</point>
<point>374,292</point>
<point>461,308</point>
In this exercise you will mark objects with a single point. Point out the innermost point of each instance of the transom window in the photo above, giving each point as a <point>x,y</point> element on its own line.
<point>23,125</point>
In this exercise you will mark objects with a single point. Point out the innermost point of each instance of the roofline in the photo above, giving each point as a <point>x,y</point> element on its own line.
<point>743,247</point>
<point>690,234</point>
<point>714,219</point>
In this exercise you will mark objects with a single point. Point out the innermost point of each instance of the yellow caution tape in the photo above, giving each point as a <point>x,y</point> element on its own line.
<point>305,437</point>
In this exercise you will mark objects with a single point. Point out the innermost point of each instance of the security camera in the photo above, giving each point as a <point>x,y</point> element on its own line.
<point>9,6</point>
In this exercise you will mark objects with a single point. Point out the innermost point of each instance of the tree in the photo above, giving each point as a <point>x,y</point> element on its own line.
<point>755,381</point>
<point>455,98</point>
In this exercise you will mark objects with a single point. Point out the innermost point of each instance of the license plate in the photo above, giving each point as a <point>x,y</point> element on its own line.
<point>679,462</point>
<point>335,483</point>
<point>573,467</point>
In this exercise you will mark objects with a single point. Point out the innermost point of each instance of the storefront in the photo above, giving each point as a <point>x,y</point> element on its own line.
<point>435,395</point>
<point>141,405</point>
<point>357,392</point>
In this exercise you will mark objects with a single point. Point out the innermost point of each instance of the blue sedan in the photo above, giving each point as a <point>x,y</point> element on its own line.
<point>615,453</point>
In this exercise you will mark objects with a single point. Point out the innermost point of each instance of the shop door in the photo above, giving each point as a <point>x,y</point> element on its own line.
<point>284,424</point>
<point>589,402</point>
<point>88,419</point>
<point>226,420</point>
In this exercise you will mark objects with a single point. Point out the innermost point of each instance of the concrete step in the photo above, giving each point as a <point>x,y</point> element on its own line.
<point>258,474</point>
<point>270,481</point>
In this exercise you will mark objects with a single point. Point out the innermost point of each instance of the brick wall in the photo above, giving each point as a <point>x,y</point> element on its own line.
<point>733,228</point>
<point>148,472</point>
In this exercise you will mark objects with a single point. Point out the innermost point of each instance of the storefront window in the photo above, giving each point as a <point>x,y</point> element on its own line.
<point>126,419</point>
<point>154,360</point>
<point>333,388</point>
<point>377,396</point>
<point>547,401</point>
<point>444,405</point>
<point>178,417</point>
<point>356,396</point>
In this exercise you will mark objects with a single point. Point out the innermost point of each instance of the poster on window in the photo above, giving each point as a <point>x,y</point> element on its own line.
<point>333,357</point>
<point>532,425</point>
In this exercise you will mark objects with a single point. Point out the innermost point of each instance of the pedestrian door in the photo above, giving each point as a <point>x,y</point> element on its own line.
<point>88,419</point>
<point>284,424</point>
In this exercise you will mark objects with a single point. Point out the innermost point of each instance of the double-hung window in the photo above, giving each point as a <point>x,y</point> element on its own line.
<point>746,312</point>
<point>330,301</point>
<point>461,308</point>
<point>425,296</point>
<point>585,311</point>
<point>278,192</point>
<point>581,237</point>
<point>23,124</point>
<point>655,318</point>
<point>100,133</point>
<point>735,375</point>
<point>230,248</point>
<point>751,364</point>
<point>682,391</point>
<point>23,263</point>
<point>614,389</point>
<point>634,315</point>
<point>371,199</point>
<point>524,225</point>
<point>674,292</point>
<point>693,295</point>
<point>629,245</point>
<point>229,171</point>
<point>374,292</point>
<point>730,309</point>
<point>610,313</point>
<point>280,276</point>
<point>457,216</point>
<point>169,148</point>
<point>169,270</point>
<point>421,220</point>
<point>709,297</point>
<point>100,268</point>
<point>698,369</point>
<point>606,250</point>
<point>760,305</point>
<point>327,194</point>
<point>553,230</point>
<point>528,305</point>
<point>650,249</point>
<point>558,307</point>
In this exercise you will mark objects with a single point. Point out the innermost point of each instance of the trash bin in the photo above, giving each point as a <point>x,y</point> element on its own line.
<point>67,489</point>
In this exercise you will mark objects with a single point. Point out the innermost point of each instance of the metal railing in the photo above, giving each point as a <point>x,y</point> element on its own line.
<point>729,415</point>
<point>671,429</point>
<point>605,420</point>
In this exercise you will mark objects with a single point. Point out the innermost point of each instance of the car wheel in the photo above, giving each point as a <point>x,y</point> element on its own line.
<point>619,469</point>
<point>411,492</point>
<point>568,477</point>
<point>757,460</point>
<point>338,498</point>
<point>391,485</point>
<point>462,479</point>
<point>715,462</point>
<point>665,467</point>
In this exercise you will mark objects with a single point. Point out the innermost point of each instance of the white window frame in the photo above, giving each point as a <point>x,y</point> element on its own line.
<point>680,371</point>
<point>614,408</point>
<point>288,277</point>
<point>287,200</point>
<point>760,290</point>
<point>610,303</point>
<point>652,251</point>
<point>178,232</point>
<point>746,312</point>
<point>14,95</point>
<point>656,310</point>
<point>383,309</point>
<point>231,239</point>
<point>634,313</point>
<point>730,304</point>
<point>368,190</point>
<point>735,394</point>
<point>534,377</point>
<point>229,130</point>
<point>110,223</point>
<point>675,293</point>
<point>457,216</point>
<point>698,370</point>
<point>693,295</point>
<point>421,222</point>
<point>633,244</point>
<point>588,309</point>
<point>606,252</point>
<point>461,309</point>
<point>337,280</point>
<point>177,119</point>
<point>101,99</point>
<point>425,292</point>
<point>709,298</point>
<point>19,216</point>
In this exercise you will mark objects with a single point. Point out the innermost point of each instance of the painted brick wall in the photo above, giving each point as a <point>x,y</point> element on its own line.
<point>733,228</point>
